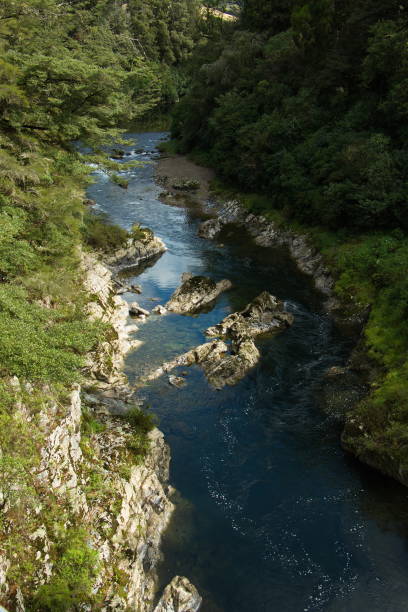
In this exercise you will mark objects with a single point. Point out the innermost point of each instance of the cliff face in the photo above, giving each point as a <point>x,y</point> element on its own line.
<point>89,479</point>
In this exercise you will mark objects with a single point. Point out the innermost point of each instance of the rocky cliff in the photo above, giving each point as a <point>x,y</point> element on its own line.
<point>88,482</point>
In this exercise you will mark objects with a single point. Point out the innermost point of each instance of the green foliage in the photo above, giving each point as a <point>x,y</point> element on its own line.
<point>75,571</point>
<point>69,71</point>
<point>101,234</point>
<point>40,343</point>
<point>309,108</point>
<point>142,423</point>
<point>140,420</point>
<point>164,31</point>
<point>120,181</point>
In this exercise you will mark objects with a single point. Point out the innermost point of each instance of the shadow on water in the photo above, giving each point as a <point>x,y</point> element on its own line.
<point>271,515</point>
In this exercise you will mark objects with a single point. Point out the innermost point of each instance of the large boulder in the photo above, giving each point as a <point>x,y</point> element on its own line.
<point>232,366</point>
<point>195,293</point>
<point>210,228</point>
<point>136,251</point>
<point>264,314</point>
<point>179,596</point>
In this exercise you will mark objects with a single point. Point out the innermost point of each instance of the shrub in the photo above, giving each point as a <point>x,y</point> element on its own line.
<point>140,420</point>
<point>75,570</point>
<point>102,235</point>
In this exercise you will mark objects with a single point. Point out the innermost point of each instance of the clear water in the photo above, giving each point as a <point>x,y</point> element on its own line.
<point>271,514</point>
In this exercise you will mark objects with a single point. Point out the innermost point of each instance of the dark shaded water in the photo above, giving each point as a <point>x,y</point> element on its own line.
<point>272,515</point>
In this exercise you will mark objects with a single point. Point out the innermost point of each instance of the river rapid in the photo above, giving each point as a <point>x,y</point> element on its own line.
<point>271,515</point>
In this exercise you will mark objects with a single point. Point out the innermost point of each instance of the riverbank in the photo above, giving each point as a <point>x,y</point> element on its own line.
<point>102,478</point>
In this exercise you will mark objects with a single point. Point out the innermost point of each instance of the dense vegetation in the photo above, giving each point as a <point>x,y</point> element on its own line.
<point>306,104</point>
<point>70,70</point>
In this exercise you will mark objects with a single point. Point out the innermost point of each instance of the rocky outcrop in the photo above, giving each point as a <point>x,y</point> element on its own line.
<point>210,228</point>
<point>267,234</point>
<point>145,509</point>
<point>264,314</point>
<point>179,596</point>
<point>144,514</point>
<point>106,364</point>
<point>136,251</point>
<point>159,310</point>
<point>61,457</point>
<point>210,352</point>
<point>136,310</point>
<point>226,364</point>
<point>195,293</point>
<point>91,479</point>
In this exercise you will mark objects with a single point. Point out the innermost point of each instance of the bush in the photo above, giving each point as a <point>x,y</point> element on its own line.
<point>76,568</point>
<point>140,420</point>
<point>102,235</point>
<point>142,423</point>
<point>41,343</point>
<point>120,181</point>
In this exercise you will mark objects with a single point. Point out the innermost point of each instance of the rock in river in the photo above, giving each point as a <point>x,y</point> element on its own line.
<point>137,311</point>
<point>176,381</point>
<point>196,292</point>
<point>226,364</point>
<point>159,309</point>
<point>210,228</point>
<point>179,596</point>
<point>264,314</point>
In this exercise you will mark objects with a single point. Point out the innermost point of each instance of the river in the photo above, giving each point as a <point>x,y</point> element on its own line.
<point>271,515</point>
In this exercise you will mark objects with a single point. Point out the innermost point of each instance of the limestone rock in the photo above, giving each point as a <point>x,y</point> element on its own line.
<point>195,293</point>
<point>177,381</point>
<point>160,310</point>
<point>137,251</point>
<point>62,456</point>
<point>227,364</point>
<point>210,228</point>
<point>232,367</point>
<point>210,351</point>
<point>179,596</point>
<point>264,314</point>
<point>267,234</point>
<point>136,310</point>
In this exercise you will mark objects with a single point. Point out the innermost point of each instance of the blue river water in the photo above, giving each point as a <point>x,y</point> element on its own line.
<point>271,515</point>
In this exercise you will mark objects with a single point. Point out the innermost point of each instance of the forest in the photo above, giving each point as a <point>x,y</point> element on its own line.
<point>303,107</point>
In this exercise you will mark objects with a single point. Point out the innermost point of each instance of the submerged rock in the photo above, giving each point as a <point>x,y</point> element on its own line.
<point>195,292</point>
<point>209,352</point>
<point>339,391</point>
<point>179,596</point>
<point>177,381</point>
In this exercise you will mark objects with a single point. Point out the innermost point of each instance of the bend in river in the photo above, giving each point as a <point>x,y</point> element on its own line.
<point>271,515</point>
